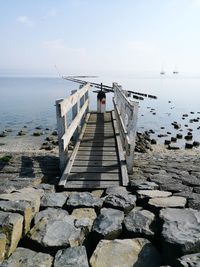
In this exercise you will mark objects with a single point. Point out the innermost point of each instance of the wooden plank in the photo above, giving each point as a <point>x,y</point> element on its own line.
<point>62,181</point>
<point>97,153</point>
<point>104,140</point>
<point>71,129</point>
<point>97,163</point>
<point>69,102</point>
<point>122,161</point>
<point>100,149</point>
<point>94,158</point>
<point>90,184</point>
<point>97,144</point>
<point>100,169</point>
<point>94,176</point>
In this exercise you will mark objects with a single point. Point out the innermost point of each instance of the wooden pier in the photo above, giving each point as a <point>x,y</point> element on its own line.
<point>104,148</point>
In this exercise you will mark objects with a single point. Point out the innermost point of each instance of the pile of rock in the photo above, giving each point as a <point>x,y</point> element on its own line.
<point>141,226</point>
<point>143,142</point>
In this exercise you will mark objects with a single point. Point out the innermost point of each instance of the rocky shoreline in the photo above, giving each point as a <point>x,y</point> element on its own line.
<point>155,221</point>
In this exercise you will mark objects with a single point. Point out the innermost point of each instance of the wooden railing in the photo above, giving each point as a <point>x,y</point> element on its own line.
<point>78,103</point>
<point>126,112</point>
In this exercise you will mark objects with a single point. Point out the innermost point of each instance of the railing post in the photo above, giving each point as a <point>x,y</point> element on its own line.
<point>131,129</point>
<point>62,128</point>
<point>75,111</point>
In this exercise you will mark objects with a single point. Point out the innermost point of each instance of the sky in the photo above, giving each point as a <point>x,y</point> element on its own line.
<point>99,36</point>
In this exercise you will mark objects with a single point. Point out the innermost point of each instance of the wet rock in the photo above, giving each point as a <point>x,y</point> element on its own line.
<point>167,142</point>
<point>49,214</point>
<point>188,137</point>
<point>21,207</point>
<point>37,133</point>
<point>86,216</point>
<point>3,134</point>
<point>122,201</point>
<point>139,222</point>
<point>8,130</point>
<point>189,145</point>
<point>108,224</point>
<point>26,257</point>
<point>38,127</point>
<point>191,260</point>
<point>177,126</point>
<point>181,232</point>
<point>142,185</point>
<point>179,136</point>
<point>116,190</point>
<point>83,200</point>
<point>71,257</point>
<point>2,246</point>
<point>53,200</point>
<point>49,138</point>
<point>54,234</point>
<point>167,202</point>
<point>153,141</point>
<point>125,253</point>
<point>11,224</point>
<point>173,139</point>
<point>54,133</point>
<point>173,147</point>
<point>196,143</point>
<point>21,132</point>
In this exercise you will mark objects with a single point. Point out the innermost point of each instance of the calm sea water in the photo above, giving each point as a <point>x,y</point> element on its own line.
<point>30,102</point>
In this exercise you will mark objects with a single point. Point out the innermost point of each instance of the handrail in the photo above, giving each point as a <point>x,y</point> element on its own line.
<point>79,103</point>
<point>126,114</point>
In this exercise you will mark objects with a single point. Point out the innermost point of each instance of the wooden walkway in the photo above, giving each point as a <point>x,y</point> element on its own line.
<point>96,162</point>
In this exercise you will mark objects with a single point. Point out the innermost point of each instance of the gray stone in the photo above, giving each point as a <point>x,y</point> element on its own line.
<point>116,190</point>
<point>2,247</point>
<point>71,257</point>
<point>109,223</point>
<point>167,202</point>
<point>175,187</point>
<point>55,233</point>
<point>191,260</point>
<point>181,232</point>
<point>53,200</point>
<point>24,257</point>
<point>46,187</point>
<point>190,180</point>
<point>122,201</point>
<point>84,217</point>
<point>84,200</point>
<point>139,221</point>
<point>142,185</point>
<point>50,213</point>
<point>21,207</point>
<point>147,194</point>
<point>160,178</point>
<point>125,253</point>
<point>11,224</point>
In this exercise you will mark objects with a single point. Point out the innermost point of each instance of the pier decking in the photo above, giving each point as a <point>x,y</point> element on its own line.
<point>103,152</point>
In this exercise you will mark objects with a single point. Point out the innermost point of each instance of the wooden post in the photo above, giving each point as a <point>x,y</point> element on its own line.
<point>75,111</point>
<point>62,127</point>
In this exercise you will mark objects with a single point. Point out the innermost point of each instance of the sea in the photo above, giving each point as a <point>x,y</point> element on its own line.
<point>30,102</point>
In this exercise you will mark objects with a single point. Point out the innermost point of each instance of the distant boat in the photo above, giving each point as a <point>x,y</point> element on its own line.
<point>162,72</point>
<point>175,71</point>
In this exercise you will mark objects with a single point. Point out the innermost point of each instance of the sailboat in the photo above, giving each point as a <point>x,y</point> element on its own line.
<point>175,71</point>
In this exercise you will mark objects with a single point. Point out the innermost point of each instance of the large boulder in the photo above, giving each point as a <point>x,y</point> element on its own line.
<point>21,207</point>
<point>54,234</point>
<point>84,216</point>
<point>83,200</point>
<point>143,196</point>
<point>167,202</point>
<point>140,222</point>
<point>181,232</point>
<point>49,214</point>
<point>71,257</point>
<point>120,200</point>
<point>11,224</point>
<point>125,253</point>
<point>26,257</point>
<point>108,224</point>
<point>53,200</point>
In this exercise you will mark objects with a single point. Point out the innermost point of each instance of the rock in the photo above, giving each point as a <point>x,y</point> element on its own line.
<point>160,178</point>
<point>21,132</point>
<point>173,147</point>
<point>167,202</point>
<point>11,224</point>
<point>188,137</point>
<point>83,200</point>
<point>147,194</point>
<point>181,232</point>
<point>29,195</point>
<point>173,139</point>
<point>28,258</point>
<point>179,136</point>
<point>46,187</point>
<point>175,187</point>
<point>108,224</point>
<point>122,201</point>
<point>50,213</point>
<point>125,253</point>
<point>191,260</point>
<point>71,257</point>
<point>139,222</point>
<point>196,143</point>
<point>2,246</point>
<point>153,141</point>
<point>3,134</point>
<point>167,142</point>
<point>50,138</point>
<point>53,200</point>
<point>116,190</point>
<point>86,216</point>
<point>55,133</point>
<point>189,145</point>
<point>37,133</point>
<point>97,193</point>
<point>54,234</point>
<point>142,185</point>
<point>21,207</point>
<point>176,125</point>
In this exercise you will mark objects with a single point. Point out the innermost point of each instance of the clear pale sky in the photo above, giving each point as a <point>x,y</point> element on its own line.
<point>99,36</point>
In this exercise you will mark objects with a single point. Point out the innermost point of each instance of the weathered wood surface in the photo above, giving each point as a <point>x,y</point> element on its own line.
<point>96,163</point>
